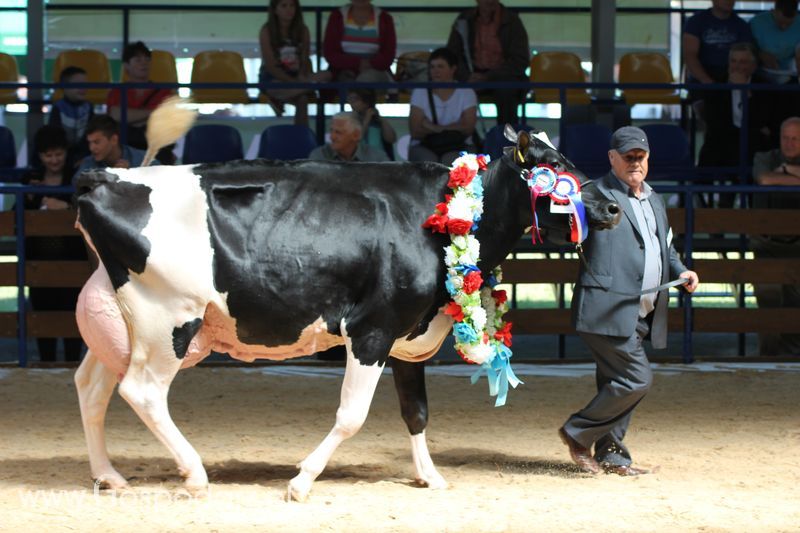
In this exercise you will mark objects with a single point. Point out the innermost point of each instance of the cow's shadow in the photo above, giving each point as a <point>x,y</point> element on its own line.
<point>68,472</point>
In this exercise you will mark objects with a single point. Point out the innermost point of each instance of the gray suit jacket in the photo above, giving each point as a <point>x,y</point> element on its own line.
<point>616,257</point>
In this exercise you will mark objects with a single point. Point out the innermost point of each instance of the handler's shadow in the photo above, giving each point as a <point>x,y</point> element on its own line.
<point>481,459</point>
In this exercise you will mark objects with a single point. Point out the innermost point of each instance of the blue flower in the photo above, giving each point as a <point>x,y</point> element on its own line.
<point>491,281</point>
<point>465,269</point>
<point>477,187</point>
<point>449,286</point>
<point>464,333</point>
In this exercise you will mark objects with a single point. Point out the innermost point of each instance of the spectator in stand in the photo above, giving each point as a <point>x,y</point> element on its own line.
<point>285,46</point>
<point>377,130</point>
<point>102,133</point>
<point>777,36</point>
<point>73,113</point>
<point>778,167</point>
<point>345,143</point>
<point>51,143</point>
<point>724,118</point>
<point>360,43</point>
<point>442,121</point>
<point>141,102</point>
<point>707,39</point>
<point>491,44</point>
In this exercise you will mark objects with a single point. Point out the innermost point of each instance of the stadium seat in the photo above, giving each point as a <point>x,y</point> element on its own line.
<point>587,145</point>
<point>555,67</point>
<point>94,62</point>
<point>212,143</point>
<point>8,148</point>
<point>8,72</point>
<point>286,142</point>
<point>670,157</point>
<point>162,68</point>
<point>219,66</point>
<point>411,66</point>
<point>495,141</point>
<point>647,67</point>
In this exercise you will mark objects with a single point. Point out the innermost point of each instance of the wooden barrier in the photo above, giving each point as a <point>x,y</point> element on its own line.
<point>532,321</point>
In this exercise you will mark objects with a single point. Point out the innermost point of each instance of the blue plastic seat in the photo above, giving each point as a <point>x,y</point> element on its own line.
<point>8,148</point>
<point>495,141</point>
<point>286,142</point>
<point>670,155</point>
<point>212,143</point>
<point>587,145</point>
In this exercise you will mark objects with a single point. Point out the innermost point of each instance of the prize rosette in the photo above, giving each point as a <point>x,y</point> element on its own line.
<point>567,186</point>
<point>543,179</point>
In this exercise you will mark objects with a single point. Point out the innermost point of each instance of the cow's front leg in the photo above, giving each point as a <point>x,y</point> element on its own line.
<point>409,380</point>
<point>95,385</point>
<point>358,389</point>
<point>145,387</point>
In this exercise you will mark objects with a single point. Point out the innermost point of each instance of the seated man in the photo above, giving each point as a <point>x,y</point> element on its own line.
<point>778,167</point>
<point>345,143</point>
<point>492,45</point>
<point>102,133</point>
<point>725,118</point>
<point>141,102</point>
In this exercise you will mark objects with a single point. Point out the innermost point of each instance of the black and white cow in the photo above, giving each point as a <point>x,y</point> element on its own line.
<point>264,259</point>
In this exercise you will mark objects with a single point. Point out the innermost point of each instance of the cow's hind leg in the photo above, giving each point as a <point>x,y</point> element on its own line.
<point>409,380</point>
<point>358,389</point>
<point>145,387</point>
<point>95,384</point>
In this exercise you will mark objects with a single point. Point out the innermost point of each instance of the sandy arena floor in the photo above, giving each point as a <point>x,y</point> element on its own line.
<point>725,444</point>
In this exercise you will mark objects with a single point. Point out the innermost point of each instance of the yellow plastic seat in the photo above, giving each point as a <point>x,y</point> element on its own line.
<point>410,67</point>
<point>162,68</point>
<point>219,66</point>
<point>8,72</point>
<point>558,67</point>
<point>647,67</point>
<point>94,62</point>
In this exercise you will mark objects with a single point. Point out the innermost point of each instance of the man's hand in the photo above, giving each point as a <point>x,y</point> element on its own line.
<point>477,77</point>
<point>122,163</point>
<point>53,203</point>
<point>693,282</point>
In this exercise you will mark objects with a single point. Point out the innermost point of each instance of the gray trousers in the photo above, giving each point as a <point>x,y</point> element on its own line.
<point>623,378</point>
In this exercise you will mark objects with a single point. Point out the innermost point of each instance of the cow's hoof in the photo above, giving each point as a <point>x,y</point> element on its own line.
<point>299,488</point>
<point>197,484</point>
<point>112,481</point>
<point>433,481</point>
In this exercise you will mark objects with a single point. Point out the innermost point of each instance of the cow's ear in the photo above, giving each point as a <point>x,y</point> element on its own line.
<point>523,143</point>
<point>510,134</point>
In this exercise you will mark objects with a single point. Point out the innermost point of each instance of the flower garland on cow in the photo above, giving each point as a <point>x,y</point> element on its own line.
<point>481,335</point>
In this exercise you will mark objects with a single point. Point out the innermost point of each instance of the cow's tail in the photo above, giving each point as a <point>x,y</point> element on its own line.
<point>167,123</point>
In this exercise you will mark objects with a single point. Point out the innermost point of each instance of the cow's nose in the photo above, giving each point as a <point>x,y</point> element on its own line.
<point>613,209</point>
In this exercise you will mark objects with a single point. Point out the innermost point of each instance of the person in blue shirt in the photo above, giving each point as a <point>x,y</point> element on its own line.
<point>102,133</point>
<point>777,35</point>
<point>707,38</point>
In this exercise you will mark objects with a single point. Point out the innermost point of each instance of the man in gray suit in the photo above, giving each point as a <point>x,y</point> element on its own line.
<point>610,313</point>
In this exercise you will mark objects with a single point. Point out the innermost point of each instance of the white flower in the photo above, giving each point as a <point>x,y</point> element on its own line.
<point>450,256</point>
<point>473,248</point>
<point>461,206</point>
<point>460,242</point>
<point>477,353</point>
<point>465,259</point>
<point>478,316</point>
<point>457,281</point>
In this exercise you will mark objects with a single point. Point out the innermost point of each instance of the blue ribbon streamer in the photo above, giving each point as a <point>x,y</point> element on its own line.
<point>580,213</point>
<point>499,374</point>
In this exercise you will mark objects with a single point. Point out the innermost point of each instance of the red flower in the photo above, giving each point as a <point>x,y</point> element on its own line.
<point>441,207</point>
<point>504,334</point>
<point>437,223</point>
<point>482,162</point>
<point>455,311</point>
<point>458,226</point>
<point>500,297</point>
<point>460,177</point>
<point>472,282</point>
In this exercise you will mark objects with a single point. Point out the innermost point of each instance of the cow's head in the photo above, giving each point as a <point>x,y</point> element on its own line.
<point>534,148</point>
